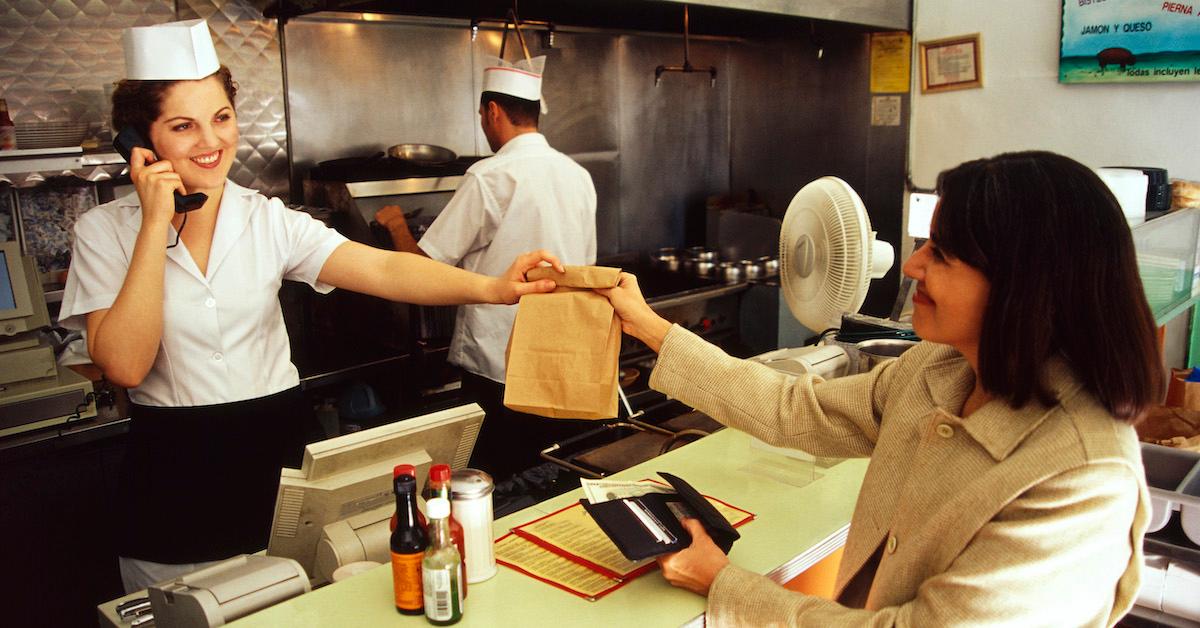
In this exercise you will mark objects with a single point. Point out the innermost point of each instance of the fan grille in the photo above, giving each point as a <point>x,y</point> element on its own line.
<point>839,283</point>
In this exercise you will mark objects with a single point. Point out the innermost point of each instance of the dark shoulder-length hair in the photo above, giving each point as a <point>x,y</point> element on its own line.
<point>1054,245</point>
<point>139,103</point>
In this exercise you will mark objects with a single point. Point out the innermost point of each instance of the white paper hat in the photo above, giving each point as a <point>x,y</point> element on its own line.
<point>522,78</point>
<point>170,52</point>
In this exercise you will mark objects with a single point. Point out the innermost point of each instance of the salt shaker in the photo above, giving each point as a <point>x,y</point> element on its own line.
<point>471,503</point>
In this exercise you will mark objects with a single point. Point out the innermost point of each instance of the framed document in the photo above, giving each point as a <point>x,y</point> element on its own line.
<point>951,63</point>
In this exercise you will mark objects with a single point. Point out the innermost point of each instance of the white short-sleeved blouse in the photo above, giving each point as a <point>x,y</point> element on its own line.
<point>223,334</point>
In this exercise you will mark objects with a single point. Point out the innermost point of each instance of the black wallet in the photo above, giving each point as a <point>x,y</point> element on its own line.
<point>648,525</point>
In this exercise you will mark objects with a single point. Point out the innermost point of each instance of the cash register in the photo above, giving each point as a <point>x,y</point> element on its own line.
<point>34,391</point>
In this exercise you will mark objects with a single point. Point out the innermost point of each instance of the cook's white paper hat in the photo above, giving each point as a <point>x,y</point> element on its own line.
<point>522,78</point>
<point>169,52</point>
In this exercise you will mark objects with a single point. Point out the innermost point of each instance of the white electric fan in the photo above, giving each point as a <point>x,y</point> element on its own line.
<point>828,256</point>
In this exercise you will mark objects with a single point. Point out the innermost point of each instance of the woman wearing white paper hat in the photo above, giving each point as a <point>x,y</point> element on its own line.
<point>187,316</point>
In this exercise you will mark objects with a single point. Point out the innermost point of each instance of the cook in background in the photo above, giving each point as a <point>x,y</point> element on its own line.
<point>1005,484</point>
<point>188,318</point>
<point>527,195</point>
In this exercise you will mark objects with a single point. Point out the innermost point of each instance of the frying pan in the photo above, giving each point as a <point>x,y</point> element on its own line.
<point>422,154</point>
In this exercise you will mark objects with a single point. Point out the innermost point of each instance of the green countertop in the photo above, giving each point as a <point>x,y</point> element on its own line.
<point>802,512</point>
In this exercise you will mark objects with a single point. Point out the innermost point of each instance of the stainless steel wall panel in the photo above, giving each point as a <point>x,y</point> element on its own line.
<point>776,119</point>
<point>581,87</point>
<point>782,134</point>
<point>248,43</point>
<point>357,88</point>
<point>883,13</point>
<point>821,126</point>
<point>674,138</point>
<point>60,54</point>
<point>606,176</point>
<point>61,58</point>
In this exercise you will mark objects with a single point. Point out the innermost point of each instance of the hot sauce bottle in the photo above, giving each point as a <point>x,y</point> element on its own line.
<point>441,571</point>
<point>439,486</point>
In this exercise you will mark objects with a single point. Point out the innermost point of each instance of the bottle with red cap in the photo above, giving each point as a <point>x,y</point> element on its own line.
<point>439,486</point>
<point>410,471</point>
<point>408,543</point>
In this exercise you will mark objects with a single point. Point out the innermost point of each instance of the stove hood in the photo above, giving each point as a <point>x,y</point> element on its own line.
<point>709,17</point>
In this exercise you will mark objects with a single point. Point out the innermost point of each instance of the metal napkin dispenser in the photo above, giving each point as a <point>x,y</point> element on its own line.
<point>234,588</point>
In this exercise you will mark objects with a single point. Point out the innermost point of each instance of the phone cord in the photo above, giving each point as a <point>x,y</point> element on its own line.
<point>179,233</point>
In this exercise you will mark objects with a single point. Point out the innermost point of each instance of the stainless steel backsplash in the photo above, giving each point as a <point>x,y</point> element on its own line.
<point>60,58</point>
<point>777,117</point>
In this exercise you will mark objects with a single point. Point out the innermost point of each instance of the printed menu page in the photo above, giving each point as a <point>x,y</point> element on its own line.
<point>533,560</point>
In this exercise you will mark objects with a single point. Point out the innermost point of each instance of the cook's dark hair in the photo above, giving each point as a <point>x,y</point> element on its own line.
<point>139,103</point>
<point>1054,245</point>
<point>521,112</point>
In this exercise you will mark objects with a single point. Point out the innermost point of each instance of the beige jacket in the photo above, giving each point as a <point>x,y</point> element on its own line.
<point>1030,517</point>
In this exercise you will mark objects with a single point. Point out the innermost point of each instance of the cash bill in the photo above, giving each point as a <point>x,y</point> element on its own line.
<point>606,490</point>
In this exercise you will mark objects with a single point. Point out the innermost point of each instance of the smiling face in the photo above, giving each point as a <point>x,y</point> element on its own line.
<point>197,131</point>
<point>950,298</point>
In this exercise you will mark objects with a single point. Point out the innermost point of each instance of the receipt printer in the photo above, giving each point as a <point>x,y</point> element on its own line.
<point>234,588</point>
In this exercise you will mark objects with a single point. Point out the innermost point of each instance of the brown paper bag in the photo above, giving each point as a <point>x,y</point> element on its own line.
<point>1182,393</point>
<point>562,355</point>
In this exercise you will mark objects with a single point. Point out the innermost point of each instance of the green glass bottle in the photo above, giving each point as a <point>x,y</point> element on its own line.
<point>441,569</point>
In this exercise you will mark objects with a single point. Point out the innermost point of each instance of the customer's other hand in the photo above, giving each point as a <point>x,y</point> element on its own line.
<point>511,286</point>
<point>696,567</point>
<point>637,318</point>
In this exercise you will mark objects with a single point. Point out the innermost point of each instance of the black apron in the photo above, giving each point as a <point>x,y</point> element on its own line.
<point>199,483</point>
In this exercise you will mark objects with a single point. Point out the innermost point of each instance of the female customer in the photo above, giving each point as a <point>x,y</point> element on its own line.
<point>187,315</point>
<point>1005,484</point>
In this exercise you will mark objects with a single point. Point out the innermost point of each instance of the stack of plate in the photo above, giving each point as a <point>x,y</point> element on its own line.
<point>50,134</point>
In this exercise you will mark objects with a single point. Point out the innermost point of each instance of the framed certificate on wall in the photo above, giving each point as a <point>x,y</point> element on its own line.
<point>951,63</point>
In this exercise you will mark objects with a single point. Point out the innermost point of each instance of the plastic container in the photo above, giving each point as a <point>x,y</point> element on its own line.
<point>872,353</point>
<point>1174,479</point>
<point>1166,258</point>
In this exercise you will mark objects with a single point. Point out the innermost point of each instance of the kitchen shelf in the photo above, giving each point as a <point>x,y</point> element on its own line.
<point>54,160</point>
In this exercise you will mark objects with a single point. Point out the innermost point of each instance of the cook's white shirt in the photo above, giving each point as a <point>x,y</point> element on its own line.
<point>223,334</point>
<point>527,196</point>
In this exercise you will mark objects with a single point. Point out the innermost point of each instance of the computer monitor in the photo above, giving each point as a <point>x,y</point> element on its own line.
<point>17,308</point>
<point>34,392</point>
<point>352,474</point>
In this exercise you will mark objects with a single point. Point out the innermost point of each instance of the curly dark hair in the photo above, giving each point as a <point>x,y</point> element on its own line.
<point>139,103</point>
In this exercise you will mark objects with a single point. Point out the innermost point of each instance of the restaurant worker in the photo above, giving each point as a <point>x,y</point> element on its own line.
<point>1005,484</point>
<point>187,317</point>
<point>526,196</point>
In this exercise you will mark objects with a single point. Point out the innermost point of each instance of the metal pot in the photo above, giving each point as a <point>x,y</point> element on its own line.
<point>730,272</point>
<point>701,254</point>
<point>872,353</point>
<point>751,268</point>
<point>666,258</point>
<point>422,154</point>
<point>770,265</point>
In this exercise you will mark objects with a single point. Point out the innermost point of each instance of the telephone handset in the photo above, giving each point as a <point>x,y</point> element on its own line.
<point>127,139</point>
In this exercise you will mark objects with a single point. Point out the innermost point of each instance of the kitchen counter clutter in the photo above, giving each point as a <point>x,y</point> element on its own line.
<point>796,525</point>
